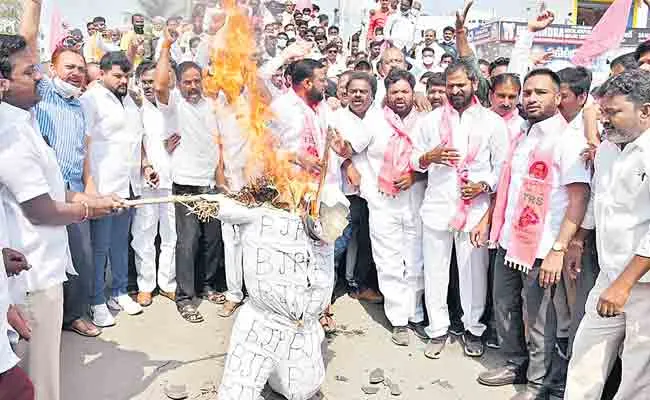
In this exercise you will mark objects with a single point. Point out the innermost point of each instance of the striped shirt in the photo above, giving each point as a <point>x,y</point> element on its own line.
<point>63,127</point>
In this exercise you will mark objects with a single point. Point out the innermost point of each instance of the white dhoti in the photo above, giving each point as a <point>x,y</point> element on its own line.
<point>396,239</point>
<point>277,337</point>
<point>599,341</point>
<point>148,221</point>
<point>233,262</point>
<point>472,274</point>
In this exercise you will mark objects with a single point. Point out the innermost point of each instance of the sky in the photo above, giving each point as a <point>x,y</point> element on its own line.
<point>76,12</point>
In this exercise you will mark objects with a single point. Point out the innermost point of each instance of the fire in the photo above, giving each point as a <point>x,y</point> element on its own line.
<point>233,71</point>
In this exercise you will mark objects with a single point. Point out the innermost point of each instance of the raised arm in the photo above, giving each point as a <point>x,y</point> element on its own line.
<point>30,24</point>
<point>520,57</point>
<point>161,83</point>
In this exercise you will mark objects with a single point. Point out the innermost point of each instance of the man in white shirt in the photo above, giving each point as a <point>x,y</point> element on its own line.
<point>571,296</point>
<point>115,132</point>
<point>154,219</point>
<point>617,310</point>
<point>233,119</point>
<point>401,27</point>
<point>367,134</point>
<point>540,203</point>
<point>302,122</point>
<point>38,208</point>
<point>195,170</point>
<point>460,146</point>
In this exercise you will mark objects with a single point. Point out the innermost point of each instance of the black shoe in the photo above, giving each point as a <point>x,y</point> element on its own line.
<point>456,328</point>
<point>418,330</point>
<point>510,374</point>
<point>473,345</point>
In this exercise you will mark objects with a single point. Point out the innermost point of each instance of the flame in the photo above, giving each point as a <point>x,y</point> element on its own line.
<point>233,69</point>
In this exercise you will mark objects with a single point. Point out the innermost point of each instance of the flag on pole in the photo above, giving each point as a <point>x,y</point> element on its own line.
<point>57,30</point>
<point>606,35</point>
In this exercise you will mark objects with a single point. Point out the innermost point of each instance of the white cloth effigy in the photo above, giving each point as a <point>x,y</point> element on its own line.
<point>277,337</point>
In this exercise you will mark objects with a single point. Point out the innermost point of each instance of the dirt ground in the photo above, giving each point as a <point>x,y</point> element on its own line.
<point>138,357</point>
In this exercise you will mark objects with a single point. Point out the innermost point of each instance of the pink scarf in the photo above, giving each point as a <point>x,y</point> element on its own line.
<point>313,134</point>
<point>397,155</point>
<point>531,207</point>
<point>462,168</point>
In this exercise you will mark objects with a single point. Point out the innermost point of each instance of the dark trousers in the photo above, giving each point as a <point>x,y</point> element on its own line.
<point>76,291</point>
<point>359,229</point>
<point>199,251</point>
<point>365,272</point>
<point>16,385</point>
<point>514,292</point>
<point>453,292</point>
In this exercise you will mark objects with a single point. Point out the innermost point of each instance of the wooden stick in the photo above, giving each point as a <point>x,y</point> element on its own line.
<point>315,209</point>
<point>161,200</point>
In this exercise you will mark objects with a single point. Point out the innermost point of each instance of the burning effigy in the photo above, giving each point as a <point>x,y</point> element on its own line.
<point>288,220</point>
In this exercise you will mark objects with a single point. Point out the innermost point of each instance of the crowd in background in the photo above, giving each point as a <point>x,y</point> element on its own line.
<point>494,200</point>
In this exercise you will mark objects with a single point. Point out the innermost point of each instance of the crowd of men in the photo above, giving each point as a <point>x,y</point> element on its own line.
<point>501,202</point>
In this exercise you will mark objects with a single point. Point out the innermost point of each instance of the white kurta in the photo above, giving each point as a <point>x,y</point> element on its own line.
<point>231,120</point>
<point>277,337</point>
<point>152,219</point>
<point>619,211</point>
<point>486,130</point>
<point>395,226</point>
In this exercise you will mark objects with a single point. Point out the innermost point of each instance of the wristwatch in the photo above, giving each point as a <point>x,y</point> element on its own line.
<point>559,247</point>
<point>485,188</point>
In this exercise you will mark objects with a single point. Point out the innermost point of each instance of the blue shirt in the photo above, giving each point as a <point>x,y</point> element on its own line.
<point>63,127</point>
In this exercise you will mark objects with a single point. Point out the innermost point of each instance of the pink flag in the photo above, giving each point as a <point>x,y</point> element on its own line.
<point>606,35</point>
<point>57,31</point>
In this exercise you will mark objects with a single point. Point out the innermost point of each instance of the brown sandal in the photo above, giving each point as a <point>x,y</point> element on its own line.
<point>228,309</point>
<point>83,328</point>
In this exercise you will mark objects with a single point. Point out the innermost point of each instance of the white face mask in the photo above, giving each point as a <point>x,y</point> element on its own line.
<point>282,43</point>
<point>427,60</point>
<point>444,65</point>
<point>65,89</point>
<point>379,38</point>
<point>292,35</point>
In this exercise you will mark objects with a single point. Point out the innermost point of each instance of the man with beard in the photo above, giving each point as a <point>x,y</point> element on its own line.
<point>459,145</point>
<point>540,204</point>
<point>436,90</point>
<point>38,207</point>
<point>617,309</point>
<point>302,117</point>
<point>154,219</point>
<point>301,125</point>
<point>116,164</point>
<point>378,143</point>
<point>62,124</point>
<point>195,170</point>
